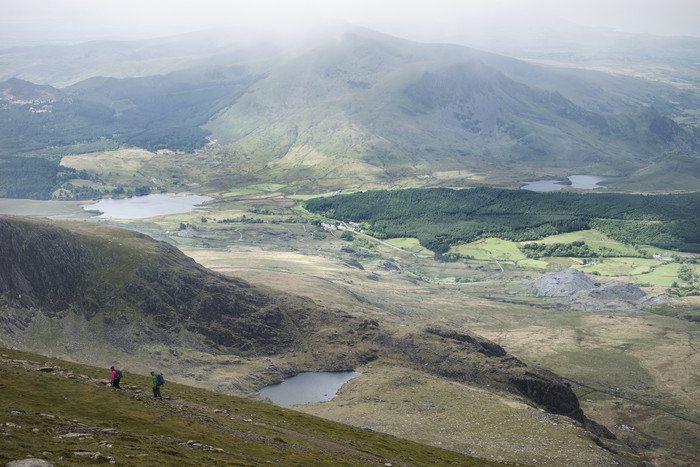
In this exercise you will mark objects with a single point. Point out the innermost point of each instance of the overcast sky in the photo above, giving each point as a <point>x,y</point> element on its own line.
<point>31,21</point>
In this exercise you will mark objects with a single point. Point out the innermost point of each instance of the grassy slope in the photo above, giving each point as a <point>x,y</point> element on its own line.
<point>672,173</point>
<point>42,409</point>
<point>294,258</point>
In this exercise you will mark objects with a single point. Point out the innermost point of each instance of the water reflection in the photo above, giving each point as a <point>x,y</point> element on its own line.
<point>305,388</point>
<point>141,207</point>
<point>582,182</point>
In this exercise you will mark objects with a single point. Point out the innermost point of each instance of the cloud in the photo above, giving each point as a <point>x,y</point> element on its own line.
<point>89,19</point>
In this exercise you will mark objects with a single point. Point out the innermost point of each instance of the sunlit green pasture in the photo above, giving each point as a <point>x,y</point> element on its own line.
<point>639,270</point>
<point>490,249</point>
<point>122,161</point>
<point>619,266</point>
<point>664,275</point>
<point>596,241</point>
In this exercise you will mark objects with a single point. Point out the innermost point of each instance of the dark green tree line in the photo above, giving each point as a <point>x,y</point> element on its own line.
<point>442,217</point>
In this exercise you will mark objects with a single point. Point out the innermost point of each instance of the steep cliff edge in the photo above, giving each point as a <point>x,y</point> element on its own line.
<point>125,277</point>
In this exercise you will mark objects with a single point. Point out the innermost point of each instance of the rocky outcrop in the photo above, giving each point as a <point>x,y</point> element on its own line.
<point>548,390</point>
<point>616,290</point>
<point>480,344</point>
<point>563,284</point>
<point>131,280</point>
<point>41,268</point>
<point>575,289</point>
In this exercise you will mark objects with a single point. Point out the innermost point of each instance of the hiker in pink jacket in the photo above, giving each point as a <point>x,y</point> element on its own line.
<point>116,377</point>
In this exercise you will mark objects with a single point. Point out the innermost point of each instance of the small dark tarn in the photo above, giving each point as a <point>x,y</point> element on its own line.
<point>309,387</point>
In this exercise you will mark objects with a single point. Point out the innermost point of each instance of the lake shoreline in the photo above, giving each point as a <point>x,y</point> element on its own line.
<point>580,182</point>
<point>142,207</point>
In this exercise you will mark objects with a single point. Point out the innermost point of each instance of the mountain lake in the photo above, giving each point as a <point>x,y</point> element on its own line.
<point>141,207</point>
<point>582,182</point>
<point>308,387</point>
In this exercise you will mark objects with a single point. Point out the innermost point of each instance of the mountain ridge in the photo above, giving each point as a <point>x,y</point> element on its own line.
<point>367,110</point>
<point>429,115</point>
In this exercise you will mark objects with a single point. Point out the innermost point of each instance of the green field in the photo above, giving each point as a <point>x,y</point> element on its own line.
<point>619,266</point>
<point>490,249</point>
<point>596,241</point>
<point>664,275</point>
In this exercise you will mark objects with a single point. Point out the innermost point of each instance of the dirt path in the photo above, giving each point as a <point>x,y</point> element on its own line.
<point>195,411</point>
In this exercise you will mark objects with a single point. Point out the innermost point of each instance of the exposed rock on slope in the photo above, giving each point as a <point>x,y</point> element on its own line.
<point>131,281</point>
<point>616,290</point>
<point>563,284</point>
<point>579,291</point>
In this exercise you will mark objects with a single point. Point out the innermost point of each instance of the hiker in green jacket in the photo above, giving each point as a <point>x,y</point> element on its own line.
<point>156,385</point>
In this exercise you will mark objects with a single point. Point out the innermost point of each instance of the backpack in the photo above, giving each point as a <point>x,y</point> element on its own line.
<point>160,379</point>
<point>119,374</point>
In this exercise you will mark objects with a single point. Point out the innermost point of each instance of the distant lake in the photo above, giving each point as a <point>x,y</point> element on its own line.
<point>582,182</point>
<point>305,388</point>
<point>141,207</point>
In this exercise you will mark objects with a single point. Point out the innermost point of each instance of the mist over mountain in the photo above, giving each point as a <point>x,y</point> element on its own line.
<point>63,65</point>
<point>406,107</point>
<point>357,108</point>
<point>365,214</point>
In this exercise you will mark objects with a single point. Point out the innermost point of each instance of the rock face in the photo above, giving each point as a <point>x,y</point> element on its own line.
<point>128,279</point>
<point>551,392</point>
<point>30,262</point>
